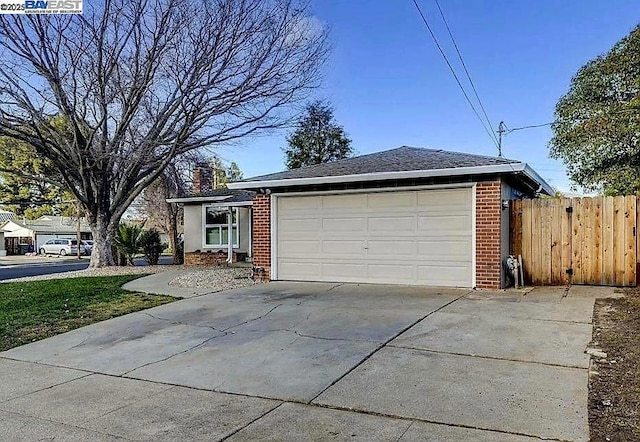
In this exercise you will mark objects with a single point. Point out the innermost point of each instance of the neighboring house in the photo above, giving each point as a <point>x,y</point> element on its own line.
<point>4,216</point>
<point>403,216</point>
<point>207,226</point>
<point>25,235</point>
<point>3,251</point>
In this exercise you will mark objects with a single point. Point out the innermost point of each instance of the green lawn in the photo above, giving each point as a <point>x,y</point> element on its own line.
<point>35,310</point>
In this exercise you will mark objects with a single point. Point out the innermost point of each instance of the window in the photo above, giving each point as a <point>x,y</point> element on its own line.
<point>216,229</point>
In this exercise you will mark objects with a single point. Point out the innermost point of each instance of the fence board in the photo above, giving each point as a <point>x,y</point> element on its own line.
<point>545,242</point>
<point>587,240</point>
<point>618,244</point>
<point>566,239</point>
<point>556,241</point>
<point>596,268</point>
<point>608,277</point>
<point>576,240</point>
<point>527,240</point>
<point>630,253</point>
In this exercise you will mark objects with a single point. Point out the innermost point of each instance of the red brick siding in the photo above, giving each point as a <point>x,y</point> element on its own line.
<point>208,258</point>
<point>488,212</point>
<point>261,239</point>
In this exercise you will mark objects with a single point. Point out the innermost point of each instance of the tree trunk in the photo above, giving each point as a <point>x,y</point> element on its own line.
<point>102,230</point>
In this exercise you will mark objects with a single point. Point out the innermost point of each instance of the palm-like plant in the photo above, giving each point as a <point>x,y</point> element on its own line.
<point>128,240</point>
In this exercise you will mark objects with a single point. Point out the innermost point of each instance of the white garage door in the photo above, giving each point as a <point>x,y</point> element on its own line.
<point>416,237</point>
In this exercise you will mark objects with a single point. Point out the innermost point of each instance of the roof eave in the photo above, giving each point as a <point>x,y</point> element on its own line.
<point>198,199</point>
<point>536,178</point>
<point>383,176</point>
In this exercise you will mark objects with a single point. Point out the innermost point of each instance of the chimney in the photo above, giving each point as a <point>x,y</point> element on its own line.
<point>202,178</point>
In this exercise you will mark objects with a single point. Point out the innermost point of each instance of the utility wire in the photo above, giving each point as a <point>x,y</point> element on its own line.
<point>435,40</point>
<point>529,127</point>
<point>466,71</point>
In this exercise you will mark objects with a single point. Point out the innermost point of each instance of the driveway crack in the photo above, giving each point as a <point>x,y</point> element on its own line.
<point>193,347</point>
<point>253,319</point>
<point>405,431</point>
<point>384,344</point>
<point>172,321</point>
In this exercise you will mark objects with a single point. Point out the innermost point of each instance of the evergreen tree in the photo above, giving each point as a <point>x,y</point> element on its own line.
<point>317,139</point>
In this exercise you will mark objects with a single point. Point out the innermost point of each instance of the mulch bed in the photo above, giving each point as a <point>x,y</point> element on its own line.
<point>614,392</point>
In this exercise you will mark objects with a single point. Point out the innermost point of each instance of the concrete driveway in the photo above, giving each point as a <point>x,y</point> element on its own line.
<point>300,361</point>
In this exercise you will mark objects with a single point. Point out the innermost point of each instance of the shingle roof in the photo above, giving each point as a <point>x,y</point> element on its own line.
<point>54,224</point>
<point>402,159</point>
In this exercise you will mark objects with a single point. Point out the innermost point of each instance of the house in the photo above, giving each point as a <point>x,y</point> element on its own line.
<point>4,216</point>
<point>25,235</point>
<point>3,251</point>
<point>207,224</point>
<point>403,216</point>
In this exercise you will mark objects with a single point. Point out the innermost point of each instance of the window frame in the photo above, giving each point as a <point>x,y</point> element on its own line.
<point>205,226</point>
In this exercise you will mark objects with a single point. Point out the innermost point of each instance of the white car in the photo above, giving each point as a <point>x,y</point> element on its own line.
<point>60,247</point>
<point>87,246</point>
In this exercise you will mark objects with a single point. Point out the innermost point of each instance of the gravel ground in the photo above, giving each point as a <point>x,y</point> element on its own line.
<point>221,278</point>
<point>105,271</point>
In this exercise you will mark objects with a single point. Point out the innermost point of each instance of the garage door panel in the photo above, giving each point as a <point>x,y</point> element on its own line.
<point>391,224</point>
<point>443,274</point>
<point>404,237</point>
<point>343,224</point>
<point>444,223</point>
<point>300,225</point>
<point>298,270</point>
<point>306,203</point>
<point>390,200</point>
<point>297,247</point>
<point>390,247</point>
<point>350,202</point>
<point>457,250</point>
<point>391,272</point>
<point>443,199</point>
<point>343,247</point>
<point>337,271</point>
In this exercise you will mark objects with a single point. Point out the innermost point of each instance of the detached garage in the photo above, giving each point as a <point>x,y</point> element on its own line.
<point>404,216</point>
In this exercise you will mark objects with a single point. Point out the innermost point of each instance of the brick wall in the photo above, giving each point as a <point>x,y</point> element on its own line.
<point>488,210</point>
<point>208,258</point>
<point>262,236</point>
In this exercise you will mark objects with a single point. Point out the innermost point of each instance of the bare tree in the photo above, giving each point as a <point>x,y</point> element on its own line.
<point>174,182</point>
<point>110,97</point>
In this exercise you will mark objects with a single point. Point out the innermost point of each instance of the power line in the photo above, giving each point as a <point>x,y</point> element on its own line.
<point>464,65</point>
<point>529,127</point>
<point>435,40</point>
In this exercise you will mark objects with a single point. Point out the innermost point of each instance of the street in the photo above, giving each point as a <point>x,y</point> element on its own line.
<point>20,268</point>
<point>10,271</point>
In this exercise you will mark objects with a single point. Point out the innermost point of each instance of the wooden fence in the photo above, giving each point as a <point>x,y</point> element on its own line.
<point>577,240</point>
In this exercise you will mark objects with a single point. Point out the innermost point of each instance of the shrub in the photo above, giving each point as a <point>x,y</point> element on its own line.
<point>127,240</point>
<point>151,246</point>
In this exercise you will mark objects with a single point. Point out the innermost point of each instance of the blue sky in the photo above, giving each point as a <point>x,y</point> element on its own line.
<point>390,86</point>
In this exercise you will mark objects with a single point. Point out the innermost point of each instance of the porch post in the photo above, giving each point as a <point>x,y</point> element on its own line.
<point>230,234</point>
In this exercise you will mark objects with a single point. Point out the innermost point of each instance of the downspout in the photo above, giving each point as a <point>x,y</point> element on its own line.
<point>230,235</point>
<point>250,252</point>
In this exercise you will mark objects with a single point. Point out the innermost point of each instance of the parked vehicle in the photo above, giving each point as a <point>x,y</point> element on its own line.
<point>87,246</point>
<point>60,247</point>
